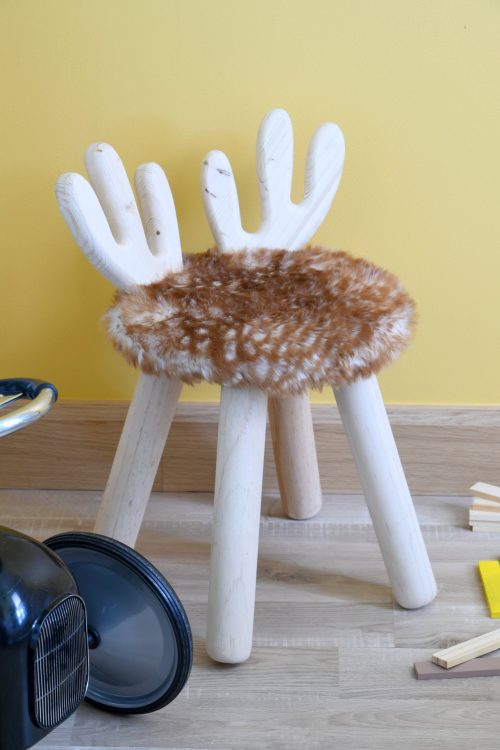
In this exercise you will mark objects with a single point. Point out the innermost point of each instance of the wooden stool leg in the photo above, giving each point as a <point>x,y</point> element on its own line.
<point>386,492</point>
<point>295,457</point>
<point>235,533</point>
<point>137,457</point>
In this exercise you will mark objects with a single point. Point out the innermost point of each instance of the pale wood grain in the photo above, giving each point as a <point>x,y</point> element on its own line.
<point>367,673</point>
<point>482,513</point>
<point>481,503</point>
<point>485,490</point>
<point>386,492</point>
<point>485,527</point>
<point>442,448</point>
<point>281,723</point>
<point>335,674</point>
<point>137,457</point>
<point>461,652</point>
<point>294,449</point>
<point>105,222</point>
<point>236,522</point>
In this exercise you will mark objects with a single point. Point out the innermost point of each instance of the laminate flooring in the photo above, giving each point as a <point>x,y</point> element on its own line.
<point>332,664</point>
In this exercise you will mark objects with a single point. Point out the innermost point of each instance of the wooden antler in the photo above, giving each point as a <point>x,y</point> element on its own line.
<point>240,451</point>
<point>284,225</point>
<point>105,221</point>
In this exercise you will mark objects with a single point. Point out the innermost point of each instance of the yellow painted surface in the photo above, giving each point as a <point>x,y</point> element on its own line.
<point>414,86</point>
<point>489,570</point>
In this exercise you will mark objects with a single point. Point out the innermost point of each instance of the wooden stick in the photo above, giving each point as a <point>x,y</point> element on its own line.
<point>486,666</point>
<point>462,652</point>
<point>235,535</point>
<point>386,491</point>
<point>481,503</point>
<point>137,457</point>
<point>489,570</point>
<point>476,514</point>
<point>486,527</point>
<point>295,456</point>
<point>487,491</point>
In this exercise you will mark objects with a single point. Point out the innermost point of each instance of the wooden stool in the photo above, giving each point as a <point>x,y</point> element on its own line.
<point>106,223</point>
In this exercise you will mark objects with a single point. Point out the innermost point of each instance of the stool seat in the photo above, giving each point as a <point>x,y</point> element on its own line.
<point>277,320</point>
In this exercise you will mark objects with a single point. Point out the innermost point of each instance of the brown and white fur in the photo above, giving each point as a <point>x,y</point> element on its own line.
<point>273,319</point>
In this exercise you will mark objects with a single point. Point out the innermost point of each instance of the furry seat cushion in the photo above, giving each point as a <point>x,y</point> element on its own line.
<point>278,320</point>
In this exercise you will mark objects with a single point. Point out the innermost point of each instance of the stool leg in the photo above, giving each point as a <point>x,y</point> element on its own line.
<point>235,532</point>
<point>295,457</point>
<point>137,457</point>
<point>386,492</point>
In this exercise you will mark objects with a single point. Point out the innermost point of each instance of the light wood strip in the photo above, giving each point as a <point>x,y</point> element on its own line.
<point>484,514</point>
<point>485,490</point>
<point>481,503</point>
<point>461,652</point>
<point>286,723</point>
<point>486,527</point>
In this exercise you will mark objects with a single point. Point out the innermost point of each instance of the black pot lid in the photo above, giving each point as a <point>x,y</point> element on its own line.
<point>139,635</point>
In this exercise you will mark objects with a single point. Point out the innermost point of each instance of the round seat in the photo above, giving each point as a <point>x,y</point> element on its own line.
<point>277,320</point>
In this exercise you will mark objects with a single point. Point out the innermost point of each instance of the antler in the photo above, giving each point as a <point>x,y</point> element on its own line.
<point>242,425</point>
<point>104,219</point>
<point>284,223</point>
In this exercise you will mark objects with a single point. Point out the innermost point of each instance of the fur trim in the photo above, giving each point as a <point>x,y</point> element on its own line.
<point>272,319</point>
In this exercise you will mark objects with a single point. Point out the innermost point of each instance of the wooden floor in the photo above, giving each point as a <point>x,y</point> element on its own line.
<point>333,655</point>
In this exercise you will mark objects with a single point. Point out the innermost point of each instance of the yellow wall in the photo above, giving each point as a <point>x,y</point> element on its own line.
<point>414,84</point>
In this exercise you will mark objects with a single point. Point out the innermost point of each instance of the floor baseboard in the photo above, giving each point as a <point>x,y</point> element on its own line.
<point>443,449</point>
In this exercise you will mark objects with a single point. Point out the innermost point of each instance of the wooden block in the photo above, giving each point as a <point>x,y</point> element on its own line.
<point>489,570</point>
<point>481,503</point>
<point>488,666</point>
<point>488,515</point>
<point>488,491</point>
<point>486,526</point>
<point>461,652</point>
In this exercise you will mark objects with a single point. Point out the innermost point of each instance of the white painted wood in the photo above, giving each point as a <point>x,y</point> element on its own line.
<point>284,225</point>
<point>127,250</point>
<point>386,492</point>
<point>235,533</point>
<point>137,458</point>
<point>486,527</point>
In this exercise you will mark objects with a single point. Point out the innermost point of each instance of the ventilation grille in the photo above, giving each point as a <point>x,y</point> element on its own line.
<point>61,662</point>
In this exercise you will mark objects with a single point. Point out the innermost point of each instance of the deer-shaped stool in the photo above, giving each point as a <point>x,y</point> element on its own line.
<point>207,319</point>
